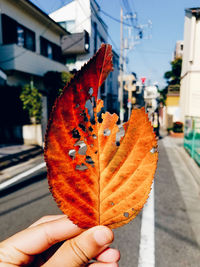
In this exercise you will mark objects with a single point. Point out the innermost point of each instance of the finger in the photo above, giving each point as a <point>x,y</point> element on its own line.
<point>109,255</point>
<point>81,249</point>
<point>48,218</point>
<point>39,238</point>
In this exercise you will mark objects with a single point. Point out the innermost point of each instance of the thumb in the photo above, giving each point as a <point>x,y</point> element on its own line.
<point>80,250</point>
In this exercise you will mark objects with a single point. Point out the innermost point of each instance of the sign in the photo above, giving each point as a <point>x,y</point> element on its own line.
<point>143,79</point>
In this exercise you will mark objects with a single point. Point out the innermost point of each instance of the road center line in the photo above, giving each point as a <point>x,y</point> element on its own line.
<point>147,237</point>
<point>21,176</point>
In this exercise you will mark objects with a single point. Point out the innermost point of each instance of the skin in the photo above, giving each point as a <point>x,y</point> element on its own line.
<point>56,241</point>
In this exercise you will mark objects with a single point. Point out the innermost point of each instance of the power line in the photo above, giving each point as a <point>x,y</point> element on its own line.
<point>113,18</point>
<point>113,43</point>
<point>133,4</point>
<point>129,11</point>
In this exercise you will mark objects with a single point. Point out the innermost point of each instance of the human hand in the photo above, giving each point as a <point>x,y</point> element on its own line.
<point>39,245</point>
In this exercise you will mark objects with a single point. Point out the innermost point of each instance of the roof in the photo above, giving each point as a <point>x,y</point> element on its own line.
<point>194,11</point>
<point>43,14</point>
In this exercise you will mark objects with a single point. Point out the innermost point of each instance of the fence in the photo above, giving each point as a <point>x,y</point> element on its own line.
<point>192,137</point>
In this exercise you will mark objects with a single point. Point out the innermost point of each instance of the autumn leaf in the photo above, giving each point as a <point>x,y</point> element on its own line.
<point>98,173</point>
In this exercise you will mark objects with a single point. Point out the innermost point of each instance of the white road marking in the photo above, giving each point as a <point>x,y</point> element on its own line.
<point>21,176</point>
<point>147,238</point>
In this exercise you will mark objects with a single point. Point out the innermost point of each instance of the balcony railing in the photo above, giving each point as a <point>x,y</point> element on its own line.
<point>192,137</point>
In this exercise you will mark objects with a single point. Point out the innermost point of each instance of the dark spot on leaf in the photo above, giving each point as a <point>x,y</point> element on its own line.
<point>93,121</point>
<point>126,214</point>
<point>106,132</point>
<point>75,134</point>
<point>100,119</point>
<point>94,136</point>
<point>117,143</point>
<point>81,167</point>
<point>96,152</point>
<point>85,118</point>
<point>89,160</point>
<point>82,127</point>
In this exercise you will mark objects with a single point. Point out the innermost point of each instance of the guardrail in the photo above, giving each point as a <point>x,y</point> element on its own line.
<point>192,137</point>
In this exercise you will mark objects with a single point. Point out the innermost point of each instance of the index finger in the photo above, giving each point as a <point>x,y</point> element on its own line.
<point>38,238</point>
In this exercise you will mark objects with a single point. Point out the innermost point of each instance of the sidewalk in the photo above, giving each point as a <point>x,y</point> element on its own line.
<point>19,163</point>
<point>187,175</point>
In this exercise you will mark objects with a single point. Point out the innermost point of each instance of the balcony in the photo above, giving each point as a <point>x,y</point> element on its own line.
<point>76,43</point>
<point>14,57</point>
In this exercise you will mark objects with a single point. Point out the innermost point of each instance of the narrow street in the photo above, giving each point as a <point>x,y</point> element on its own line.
<point>176,235</point>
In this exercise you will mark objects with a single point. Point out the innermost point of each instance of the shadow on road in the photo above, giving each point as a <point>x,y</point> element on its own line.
<point>177,235</point>
<point>24,204</point>
<point>22,184</point>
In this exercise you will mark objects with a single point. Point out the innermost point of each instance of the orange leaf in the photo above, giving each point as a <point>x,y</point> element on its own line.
<point>96,175</point>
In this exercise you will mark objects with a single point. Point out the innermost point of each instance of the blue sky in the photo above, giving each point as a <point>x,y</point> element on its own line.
<point>151,57</point>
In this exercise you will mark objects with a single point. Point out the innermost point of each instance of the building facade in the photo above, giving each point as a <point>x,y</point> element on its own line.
<point>29,42</point>
<point>79,16</point>
<point>30,46</point>
<point>88,31</point>
<point>190,75</point>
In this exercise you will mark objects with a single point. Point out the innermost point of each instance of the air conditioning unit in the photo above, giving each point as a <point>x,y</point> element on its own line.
<point>75,43</point>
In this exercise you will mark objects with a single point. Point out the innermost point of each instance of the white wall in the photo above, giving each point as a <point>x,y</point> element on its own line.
<point>175,112</point>
<point>84,16</point>
<point>14,57</point>
<point>190,81</point>
<point>31,20</point>
<point>27,61</point>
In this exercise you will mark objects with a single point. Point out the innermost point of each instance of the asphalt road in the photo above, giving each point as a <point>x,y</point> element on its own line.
<point>175,244</point>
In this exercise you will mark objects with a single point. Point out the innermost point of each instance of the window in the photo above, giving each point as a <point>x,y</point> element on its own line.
<point>15,33</point>
<point>50,50</point>
<point>29,40</point>
<point>20,36</point>
<point>68,25</point>
<point>9,31</point>
<point>181,46</point>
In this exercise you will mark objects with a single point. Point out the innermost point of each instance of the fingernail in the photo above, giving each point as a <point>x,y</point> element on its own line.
<point>103,236</point>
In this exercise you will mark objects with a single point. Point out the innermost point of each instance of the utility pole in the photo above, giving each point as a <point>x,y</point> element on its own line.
<point>121,69</point>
